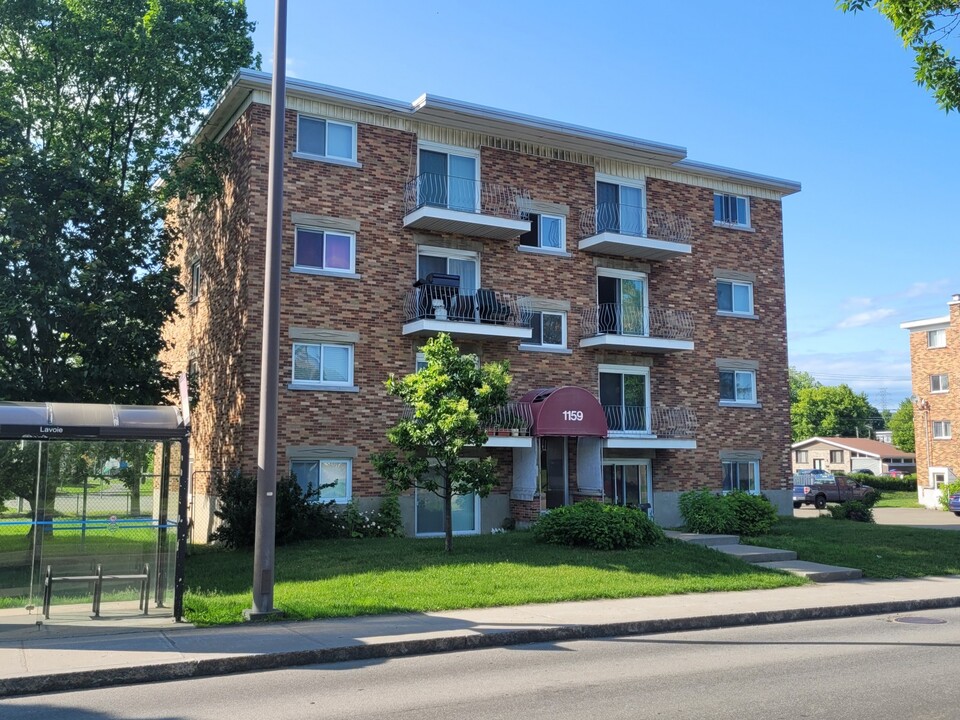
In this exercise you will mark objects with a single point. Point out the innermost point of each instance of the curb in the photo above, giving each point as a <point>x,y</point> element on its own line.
<point>107,677</point>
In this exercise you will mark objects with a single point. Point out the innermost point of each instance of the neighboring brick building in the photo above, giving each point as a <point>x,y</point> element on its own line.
<point>588,260</point>
<point>935,364</point>
<point>851,455</point>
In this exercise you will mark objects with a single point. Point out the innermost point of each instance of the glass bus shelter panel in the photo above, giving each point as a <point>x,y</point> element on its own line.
<point>92,505</point>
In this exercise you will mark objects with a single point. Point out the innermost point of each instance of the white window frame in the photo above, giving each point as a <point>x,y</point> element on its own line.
<point>478,525</point>
<point>349,482</point>
<point>733,311</point>
<point>540,247</point>
<point>941,385</point>
<point>726,223</point>
<point>448,253</point>
<point>937,338</point>
<point>637,183</point>
<point>563,330</point>
<point>454,150</point>
<point>627,275</point>
<point>736,371</point>
<point>324,231</point>
<point>326,142</point>
<point>647,408</point>
<point>754,490</point>
<point>944,431</point>
<point>196,280</point>
<point>320,384</point>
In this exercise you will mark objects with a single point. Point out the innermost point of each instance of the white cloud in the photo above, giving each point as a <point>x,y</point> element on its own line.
<point>858,302</point>
<point>868,317</point>
<point>920,289</point>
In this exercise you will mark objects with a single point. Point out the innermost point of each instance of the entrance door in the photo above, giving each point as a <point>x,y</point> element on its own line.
<point>818,464</point>
<point>628,482</point>
<point>553,470</point>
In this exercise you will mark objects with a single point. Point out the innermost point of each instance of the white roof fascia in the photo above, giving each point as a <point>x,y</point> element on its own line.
<point>786,187</point>
<point>825,441</point>
<point>928,324</point>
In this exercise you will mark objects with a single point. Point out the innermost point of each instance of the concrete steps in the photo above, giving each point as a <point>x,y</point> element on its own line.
<point>771,558</point>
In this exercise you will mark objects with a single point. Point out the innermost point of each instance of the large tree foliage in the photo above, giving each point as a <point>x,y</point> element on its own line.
<point>97,104</point>
<point>800,379</point>
<point>901,423</point>
<point>449,402</point>
<point>830,410</point>
<point>925,27</point>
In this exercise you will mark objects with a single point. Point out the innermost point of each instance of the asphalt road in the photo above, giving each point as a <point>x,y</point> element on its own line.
<point>860,668</point>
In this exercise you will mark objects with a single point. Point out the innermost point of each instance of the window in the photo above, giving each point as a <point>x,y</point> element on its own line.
<point>449,179</point>
<point>625,396</point>
<point>465,265</point>
<point>735,297</point>
<point>547,232</point>
<point>939,383</point>
<point>324,250</point>
<point>334,473</point>
<point>465,514</point>
<point>738,386</point>
<point>549,329</point>
<point>621,302</point>
<point>731,210</point>
<point>740,475</point>
<point>941,430</point>
<point>323,364</point>
<point>836,456</point>
<point>801,456</point>
<point>936,338</point>
<point>195,279</point>
<point>326,139</point>
<point>620,208</point>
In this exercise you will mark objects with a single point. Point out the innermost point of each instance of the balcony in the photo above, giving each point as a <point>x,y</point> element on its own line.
<point>430,308</point>
<point>656,330</point>
<point>628,231</point>
<point>507,426</point>
<point>636,427</point>
<point>449,204</point>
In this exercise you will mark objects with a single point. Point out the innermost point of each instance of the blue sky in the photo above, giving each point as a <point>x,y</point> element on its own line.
<point>793,89</point>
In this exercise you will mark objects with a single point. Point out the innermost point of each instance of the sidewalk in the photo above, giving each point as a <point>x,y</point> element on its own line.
<point>66,655</point>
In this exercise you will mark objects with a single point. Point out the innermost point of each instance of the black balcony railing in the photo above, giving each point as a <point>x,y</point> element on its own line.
<point>664,422</point>
<point>465,195</point>
<point>618,319</point>
<point>636,221</point>
<point>514,418</point>
<point>482,306</point>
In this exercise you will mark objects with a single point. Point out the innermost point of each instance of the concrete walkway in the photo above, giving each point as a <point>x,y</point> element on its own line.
<point>62,654</point>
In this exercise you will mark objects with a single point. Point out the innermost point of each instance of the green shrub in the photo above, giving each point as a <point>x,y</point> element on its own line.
<point>907,483</point>
<point>737,512</point>
<point>388,517</point>
<point>856,510</point>
<point>946,490</point>
<point>300,516</point>
<point>385,521</point>
<point>704,511</point>
<point>592,524</point>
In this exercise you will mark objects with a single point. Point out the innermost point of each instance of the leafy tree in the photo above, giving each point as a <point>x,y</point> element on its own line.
<point>830,410</point>
<point>925,27</point>
<point>98,101</point>
<point>800,379</point>
<point>449,401</point>
<point>901,423</point>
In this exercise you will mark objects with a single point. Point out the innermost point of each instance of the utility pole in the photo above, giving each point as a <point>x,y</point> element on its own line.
<point>265,542</point>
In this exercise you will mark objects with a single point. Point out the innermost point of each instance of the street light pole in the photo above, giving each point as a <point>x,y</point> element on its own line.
<point>264,544</point>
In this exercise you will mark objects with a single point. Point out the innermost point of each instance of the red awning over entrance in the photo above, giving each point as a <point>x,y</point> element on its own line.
<point>566,411</point>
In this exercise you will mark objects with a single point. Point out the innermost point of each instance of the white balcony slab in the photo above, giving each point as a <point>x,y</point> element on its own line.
<point>428,326</point>
<point>647,442</point>
<point>509,441</point>
<point>613,243</point>
<point>637,342</point>
<point>444,220</point>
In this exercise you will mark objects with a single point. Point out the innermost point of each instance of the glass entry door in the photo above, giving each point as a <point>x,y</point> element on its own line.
<point>622,303</point>
<point>553,470</point>
<point>628,482</point>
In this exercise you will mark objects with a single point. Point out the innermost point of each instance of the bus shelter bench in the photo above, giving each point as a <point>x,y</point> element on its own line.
<point>98,579</point>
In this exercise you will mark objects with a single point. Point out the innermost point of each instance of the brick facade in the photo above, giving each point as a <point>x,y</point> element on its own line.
<point>940,454</point>
<point>220,330</point>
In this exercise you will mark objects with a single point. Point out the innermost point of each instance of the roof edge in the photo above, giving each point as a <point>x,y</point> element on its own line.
<point>786,187</point>
<point>929,322</point>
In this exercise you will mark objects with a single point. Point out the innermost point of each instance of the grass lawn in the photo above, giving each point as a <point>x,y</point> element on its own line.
<point>898,499</point>
<point>342,578</point>
<point>881,551</point>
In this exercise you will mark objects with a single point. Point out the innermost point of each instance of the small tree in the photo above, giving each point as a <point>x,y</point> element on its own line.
<point>450,401</point>
<point>901,423</point>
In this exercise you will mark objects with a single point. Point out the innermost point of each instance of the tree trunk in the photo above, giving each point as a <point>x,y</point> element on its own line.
<point>448,516</point>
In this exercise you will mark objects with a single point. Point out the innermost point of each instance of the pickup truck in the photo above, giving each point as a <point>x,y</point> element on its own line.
<point>821,488</point>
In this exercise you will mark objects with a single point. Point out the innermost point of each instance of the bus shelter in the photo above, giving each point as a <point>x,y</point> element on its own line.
<point>93,507</point>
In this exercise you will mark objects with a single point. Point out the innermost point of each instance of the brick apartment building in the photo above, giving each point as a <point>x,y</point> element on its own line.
<point>934,363</point>
<point>638,295</point>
